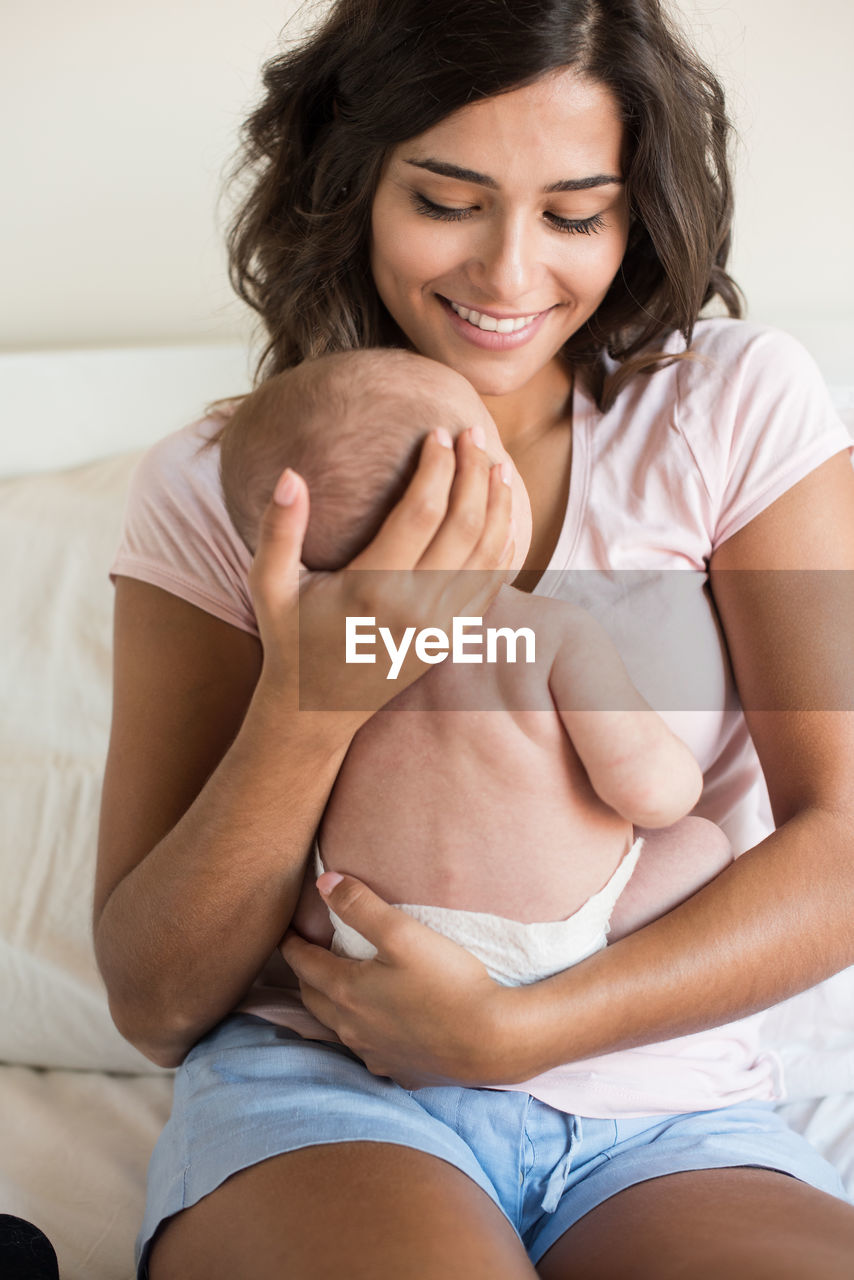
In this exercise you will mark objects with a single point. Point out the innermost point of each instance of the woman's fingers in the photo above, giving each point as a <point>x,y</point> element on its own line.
<point>471,591</point>
<point>274,572</point>
<point>453,519</point>
<point>274,581</point>
<point>316,967</point>
<point>423,1003</point>
<point>384,926</point>
<point>394,934</point>
<point>412,523</point>
<point>472,546</point>
<point>468,505</point>
<point>496,545</point>
<point>455,513</point>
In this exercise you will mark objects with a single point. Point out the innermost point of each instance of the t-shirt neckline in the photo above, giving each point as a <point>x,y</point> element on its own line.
<point>579,479</point>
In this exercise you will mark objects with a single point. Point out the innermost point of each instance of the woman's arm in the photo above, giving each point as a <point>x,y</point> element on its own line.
<point>201,845</point>
<point>773,923</point>
<point>216,780</point>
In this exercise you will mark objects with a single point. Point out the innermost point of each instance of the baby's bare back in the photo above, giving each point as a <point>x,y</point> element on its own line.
<point>466,792</point>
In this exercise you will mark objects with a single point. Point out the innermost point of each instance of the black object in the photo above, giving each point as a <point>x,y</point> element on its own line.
<point>25,1252</point>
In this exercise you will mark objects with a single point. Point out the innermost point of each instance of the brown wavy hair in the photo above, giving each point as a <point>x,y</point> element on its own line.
<point>376,73</point>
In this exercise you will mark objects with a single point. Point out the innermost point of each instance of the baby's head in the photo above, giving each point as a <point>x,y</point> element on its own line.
<point>352,425</point>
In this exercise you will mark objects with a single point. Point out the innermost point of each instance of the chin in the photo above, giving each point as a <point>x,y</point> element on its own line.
<point>498,381</point>
<point>503,376</point>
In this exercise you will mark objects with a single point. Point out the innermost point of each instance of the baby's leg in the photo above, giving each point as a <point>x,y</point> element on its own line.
<point>674,863</point>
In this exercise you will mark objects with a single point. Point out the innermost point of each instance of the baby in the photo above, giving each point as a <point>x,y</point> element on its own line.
<point>511,833</point>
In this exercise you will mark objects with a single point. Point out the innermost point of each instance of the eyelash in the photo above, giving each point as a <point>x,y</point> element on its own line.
<point>443,213</point>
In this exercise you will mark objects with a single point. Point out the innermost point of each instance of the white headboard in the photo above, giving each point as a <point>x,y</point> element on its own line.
<point>63,408</point>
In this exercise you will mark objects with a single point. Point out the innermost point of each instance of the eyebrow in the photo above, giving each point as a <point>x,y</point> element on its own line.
<point>445,170</point>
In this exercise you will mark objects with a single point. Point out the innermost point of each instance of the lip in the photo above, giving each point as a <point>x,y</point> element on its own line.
<point>493,341</point>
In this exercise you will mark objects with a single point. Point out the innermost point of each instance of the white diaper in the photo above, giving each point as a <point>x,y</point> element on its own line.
<point>514,953</point>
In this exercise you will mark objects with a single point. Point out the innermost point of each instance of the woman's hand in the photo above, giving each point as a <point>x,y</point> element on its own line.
<point>423,1012</point>
<point>455,515</point>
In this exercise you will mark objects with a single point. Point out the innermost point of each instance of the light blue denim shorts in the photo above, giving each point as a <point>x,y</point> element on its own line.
<point>250,1090</point>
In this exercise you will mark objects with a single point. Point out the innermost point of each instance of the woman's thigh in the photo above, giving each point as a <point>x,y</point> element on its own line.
<point>360,1210</point>
<point>742,1224</point>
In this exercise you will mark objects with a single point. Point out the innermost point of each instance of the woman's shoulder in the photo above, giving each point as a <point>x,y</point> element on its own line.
<point>727,363</point>
<point>738,372</point>
<point>184,461</point>
<point>722,337</point>
<point>725,350</point>
<point>720,433</point>
<point>722,353</point>
<point>177,533</point>
<point>756,413</point>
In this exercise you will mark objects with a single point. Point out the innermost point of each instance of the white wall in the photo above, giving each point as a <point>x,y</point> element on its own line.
<point>119,120</point>
<point>787,68</point>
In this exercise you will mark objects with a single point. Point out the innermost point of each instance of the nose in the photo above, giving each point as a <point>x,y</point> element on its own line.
<point>506,267</point>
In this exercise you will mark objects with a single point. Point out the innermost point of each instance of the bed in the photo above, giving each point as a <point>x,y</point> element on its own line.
<point>80,1108</point>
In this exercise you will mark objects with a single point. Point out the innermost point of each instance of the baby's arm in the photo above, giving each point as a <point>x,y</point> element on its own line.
<point>635,764</point>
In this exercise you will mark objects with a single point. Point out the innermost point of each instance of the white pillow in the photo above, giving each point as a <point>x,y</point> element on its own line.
<point>58,532</point>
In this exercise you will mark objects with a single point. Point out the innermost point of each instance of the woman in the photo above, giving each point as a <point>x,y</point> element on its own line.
<point>423,172</point>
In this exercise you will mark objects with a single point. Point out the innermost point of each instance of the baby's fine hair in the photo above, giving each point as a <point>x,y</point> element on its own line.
<point>351,424</point>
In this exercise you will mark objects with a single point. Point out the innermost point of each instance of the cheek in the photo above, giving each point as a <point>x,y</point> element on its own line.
<point>595,269</point>
<point>400,267</point>
<point>388,248</point>
<point>385,256</point>
<point>405,253</point>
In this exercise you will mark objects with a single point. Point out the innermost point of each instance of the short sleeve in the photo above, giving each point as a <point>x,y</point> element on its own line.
<point>758,416</point>
<point>177,534</point>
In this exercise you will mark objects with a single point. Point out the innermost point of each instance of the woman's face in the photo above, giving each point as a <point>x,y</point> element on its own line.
<point>496,234</point>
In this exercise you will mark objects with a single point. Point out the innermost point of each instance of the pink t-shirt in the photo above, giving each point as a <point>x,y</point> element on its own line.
<point>684,460</point>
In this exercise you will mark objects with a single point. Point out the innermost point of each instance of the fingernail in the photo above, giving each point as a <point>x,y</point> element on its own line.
<point>330,879</point>
<point>479,437</point>
<point>286,489</point>
<point>444,437</point>
<point>506,474</point>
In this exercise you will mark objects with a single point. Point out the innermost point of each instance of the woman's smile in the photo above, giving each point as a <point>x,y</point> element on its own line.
<point>494,239</point>
<point>491,330</point>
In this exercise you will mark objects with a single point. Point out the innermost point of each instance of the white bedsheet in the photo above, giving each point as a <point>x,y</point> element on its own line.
<point>73,1156</point>
<point>813,1037</point>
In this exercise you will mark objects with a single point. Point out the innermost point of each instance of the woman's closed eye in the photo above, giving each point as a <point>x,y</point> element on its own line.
<point>448,213</point>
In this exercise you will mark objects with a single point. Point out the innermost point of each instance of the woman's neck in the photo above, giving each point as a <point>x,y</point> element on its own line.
<point>523,417</point>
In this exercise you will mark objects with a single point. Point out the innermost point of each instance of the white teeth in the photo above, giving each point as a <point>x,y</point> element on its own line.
<point>489,323</point>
